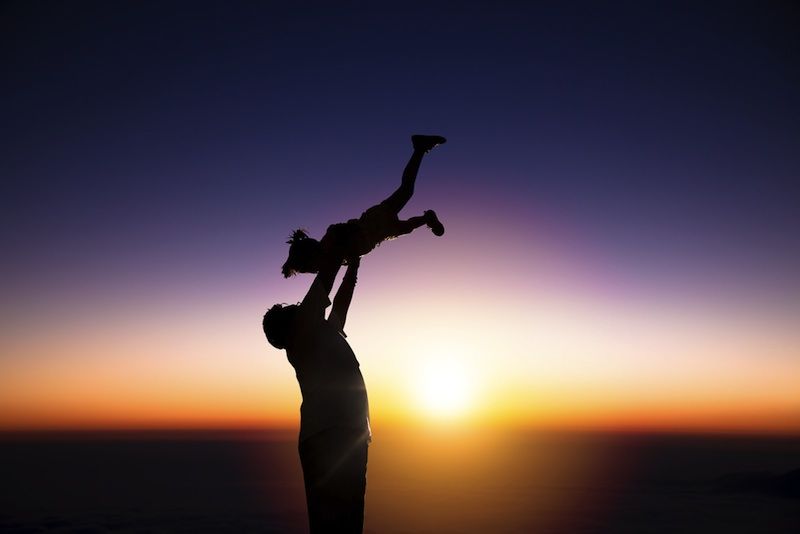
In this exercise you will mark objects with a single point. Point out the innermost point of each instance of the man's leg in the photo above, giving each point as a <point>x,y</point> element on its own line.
<point>334,468</point>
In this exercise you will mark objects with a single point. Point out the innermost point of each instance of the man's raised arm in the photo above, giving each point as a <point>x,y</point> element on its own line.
<point>344,295</point>
<point>316,300</point>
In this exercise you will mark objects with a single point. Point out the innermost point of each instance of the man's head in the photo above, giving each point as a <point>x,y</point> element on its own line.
<point>304,254</point>
<point>277,324</point>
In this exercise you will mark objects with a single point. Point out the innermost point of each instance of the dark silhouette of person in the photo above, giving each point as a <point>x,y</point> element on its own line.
<point>334,415</point>
<point>357,237</point>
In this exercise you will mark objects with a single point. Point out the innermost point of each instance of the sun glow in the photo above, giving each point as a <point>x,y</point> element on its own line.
<point>444,390</point>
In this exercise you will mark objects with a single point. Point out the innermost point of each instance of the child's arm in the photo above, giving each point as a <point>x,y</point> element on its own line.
<point>344,295</point>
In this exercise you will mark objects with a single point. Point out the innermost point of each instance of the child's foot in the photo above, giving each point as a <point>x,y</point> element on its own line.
<point>427,142</point>
<point>433,223</point>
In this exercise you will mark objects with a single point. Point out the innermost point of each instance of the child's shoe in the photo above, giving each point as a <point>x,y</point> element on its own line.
<point>433,223</point>
<point>427,142</point>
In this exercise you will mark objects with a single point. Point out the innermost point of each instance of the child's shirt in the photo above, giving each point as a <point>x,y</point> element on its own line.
<point>358,237</point>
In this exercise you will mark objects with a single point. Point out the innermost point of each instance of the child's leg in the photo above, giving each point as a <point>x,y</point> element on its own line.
<point>429,219</point>
<point>400,198</point>
<point>408,226</point>
<point>422,144</point>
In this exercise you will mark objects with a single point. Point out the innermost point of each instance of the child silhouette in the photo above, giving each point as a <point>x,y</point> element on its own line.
<point>379,223</point>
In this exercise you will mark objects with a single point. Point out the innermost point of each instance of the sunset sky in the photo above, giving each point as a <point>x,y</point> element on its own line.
<point>619,188</point>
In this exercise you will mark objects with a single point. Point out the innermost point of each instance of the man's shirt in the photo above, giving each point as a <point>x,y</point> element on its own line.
<point>334,393</point>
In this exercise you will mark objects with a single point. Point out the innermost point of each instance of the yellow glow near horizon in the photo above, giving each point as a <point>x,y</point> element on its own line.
<point>444,389</point>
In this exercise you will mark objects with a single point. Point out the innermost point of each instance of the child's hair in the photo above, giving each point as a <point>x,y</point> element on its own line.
<point>303,251</point>
<point>276,324</point>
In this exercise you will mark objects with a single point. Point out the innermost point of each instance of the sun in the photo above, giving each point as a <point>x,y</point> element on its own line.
<point>444,389</point>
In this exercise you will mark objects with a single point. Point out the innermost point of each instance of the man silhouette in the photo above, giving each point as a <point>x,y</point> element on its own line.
<point>334,415</point>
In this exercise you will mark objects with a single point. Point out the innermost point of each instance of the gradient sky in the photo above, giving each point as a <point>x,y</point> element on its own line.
<point>620,191</point>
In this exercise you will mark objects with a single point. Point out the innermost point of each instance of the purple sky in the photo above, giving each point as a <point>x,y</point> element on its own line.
<point>141,136</point>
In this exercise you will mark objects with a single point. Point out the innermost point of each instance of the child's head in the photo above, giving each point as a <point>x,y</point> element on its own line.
<point>277,323</point>
<point>304,255</point>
